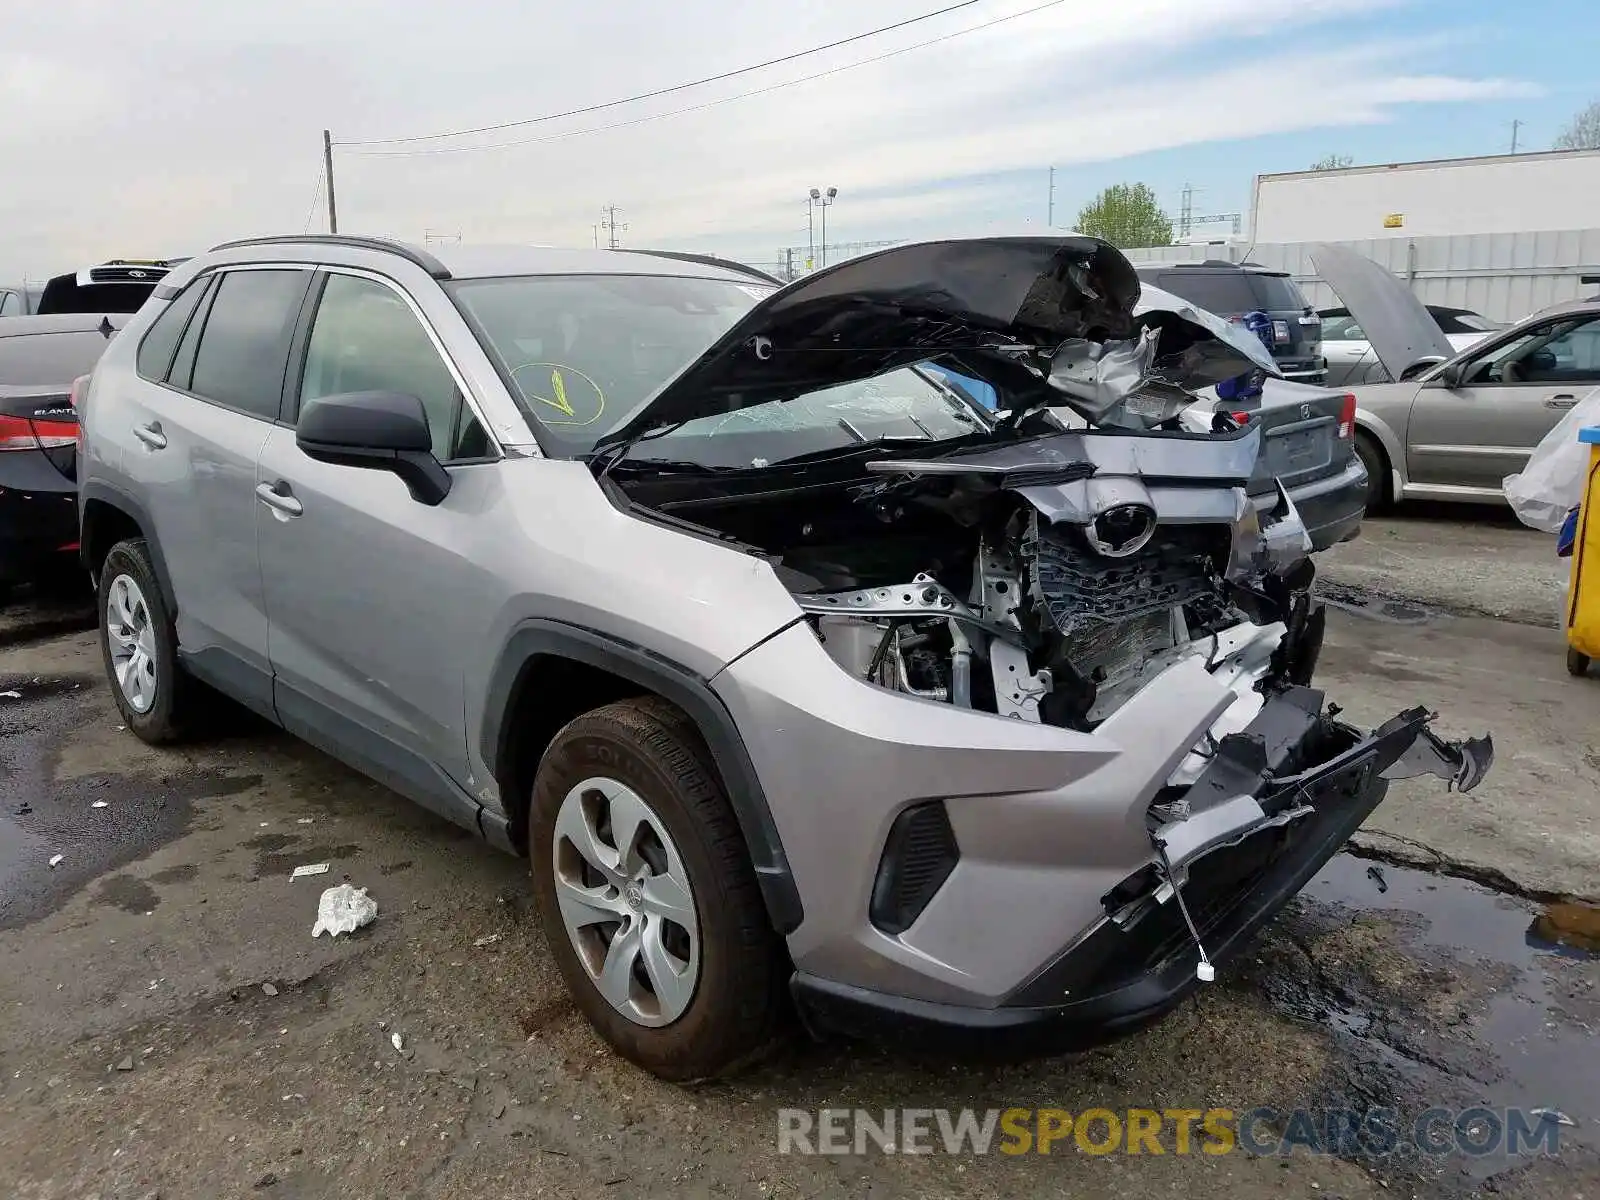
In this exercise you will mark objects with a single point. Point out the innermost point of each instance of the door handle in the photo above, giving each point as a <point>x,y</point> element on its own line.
<point>269,495</point>
<point>1564,400</point>
<point>151,435</point>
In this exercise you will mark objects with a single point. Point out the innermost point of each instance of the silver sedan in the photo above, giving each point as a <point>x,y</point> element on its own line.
<point>1457,422</point>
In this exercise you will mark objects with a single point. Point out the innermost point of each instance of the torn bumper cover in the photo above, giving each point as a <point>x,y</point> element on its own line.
<point>1276,803</point>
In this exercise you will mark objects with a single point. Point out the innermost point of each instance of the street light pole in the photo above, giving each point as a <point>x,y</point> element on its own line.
<point>821,200</point>
<point>327,169</point>
<point>811,229</point>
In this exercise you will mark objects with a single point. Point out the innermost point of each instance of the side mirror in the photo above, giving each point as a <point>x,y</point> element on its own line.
<point>386,431</point>
<point>1426,363</point>
<point>1453,375</point>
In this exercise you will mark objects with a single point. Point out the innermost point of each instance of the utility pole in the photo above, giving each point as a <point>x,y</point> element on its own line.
<point>609,224</point>
<point>327,170</point>
<point>1516,127</point>
<point>1050,220</point>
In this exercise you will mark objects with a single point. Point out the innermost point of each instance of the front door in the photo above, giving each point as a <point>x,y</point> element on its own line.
<point>1511,394</point>
<point>372,608</point>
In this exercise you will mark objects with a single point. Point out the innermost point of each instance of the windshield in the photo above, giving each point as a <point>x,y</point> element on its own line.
<point>582,351</point>
<point>900,404</point>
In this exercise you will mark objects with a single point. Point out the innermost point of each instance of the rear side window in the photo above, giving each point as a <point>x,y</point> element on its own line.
<point>161,339</point>
<point>10,304</point>
<point>50,357</point>
<point>244,347</point>
<point>1233,292</point>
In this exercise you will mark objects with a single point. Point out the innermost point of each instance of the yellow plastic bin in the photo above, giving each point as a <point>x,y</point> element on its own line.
<point>1583,602</point>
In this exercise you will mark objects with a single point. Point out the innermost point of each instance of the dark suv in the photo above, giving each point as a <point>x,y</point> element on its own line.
<point>1233,289</point>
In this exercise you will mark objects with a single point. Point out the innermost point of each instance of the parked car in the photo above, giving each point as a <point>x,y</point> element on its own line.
<point>1349,354</point>
<point>1458,423</point>
<point>18,300</point>
<point>1231,290</point>
<point>40,357</point>
<point>118,286</point>
<point>800,679</point>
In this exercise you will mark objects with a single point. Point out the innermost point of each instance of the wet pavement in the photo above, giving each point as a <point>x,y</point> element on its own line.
<point>168,1025</point>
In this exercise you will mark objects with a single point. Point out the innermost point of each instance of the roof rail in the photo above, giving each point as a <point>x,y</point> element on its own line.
<point>711,260</point>
<point>421,258</point>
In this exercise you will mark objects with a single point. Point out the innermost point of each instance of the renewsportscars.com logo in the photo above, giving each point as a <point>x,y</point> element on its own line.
<point>1437,1133</point>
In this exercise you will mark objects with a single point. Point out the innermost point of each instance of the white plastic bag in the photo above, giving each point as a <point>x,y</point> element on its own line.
<point>344,909</point>
<point>1551,485</point>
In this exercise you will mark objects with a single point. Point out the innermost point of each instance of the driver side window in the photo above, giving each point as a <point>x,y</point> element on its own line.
<point>1563,351</point>
<point>366,339</point>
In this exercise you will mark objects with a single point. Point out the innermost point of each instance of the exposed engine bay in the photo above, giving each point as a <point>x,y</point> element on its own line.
<point>1044,579</point>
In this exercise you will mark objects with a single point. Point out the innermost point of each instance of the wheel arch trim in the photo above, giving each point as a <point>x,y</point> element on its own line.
<point>690,692</point>
<point>96,491</point>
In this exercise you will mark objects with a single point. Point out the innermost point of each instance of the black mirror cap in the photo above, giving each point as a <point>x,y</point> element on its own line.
<point>1452,375</point>
<point>385,431</point>
<point>366,421</point>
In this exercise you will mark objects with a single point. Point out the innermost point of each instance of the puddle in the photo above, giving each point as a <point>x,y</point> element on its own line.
<point>1373,606</point>
<point>1529,975</point>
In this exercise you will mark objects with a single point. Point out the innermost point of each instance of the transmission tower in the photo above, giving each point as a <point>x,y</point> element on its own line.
<point>608,222</point>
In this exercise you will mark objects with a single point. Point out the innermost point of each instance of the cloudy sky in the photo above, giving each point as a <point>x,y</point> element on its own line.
<point>151,127</point>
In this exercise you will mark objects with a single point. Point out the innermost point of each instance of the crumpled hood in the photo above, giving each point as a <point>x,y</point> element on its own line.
<point>1398,325</point>
<point>1014,311</point>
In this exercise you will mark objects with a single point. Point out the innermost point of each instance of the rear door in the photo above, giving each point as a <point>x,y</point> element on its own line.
<point>195,433</point>
<point>372,597</point>
<point>1513,392</point>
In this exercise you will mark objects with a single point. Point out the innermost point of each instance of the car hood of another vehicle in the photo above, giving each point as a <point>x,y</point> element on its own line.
<point>1009,311</point>
<point>1398,326</point>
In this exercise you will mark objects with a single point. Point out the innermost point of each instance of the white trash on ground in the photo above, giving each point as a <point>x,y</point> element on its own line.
<point>55,860</point>
<point>1551,485</point>
<point>398,1042</point>
<point>309,869</point>
<point>344,909</point>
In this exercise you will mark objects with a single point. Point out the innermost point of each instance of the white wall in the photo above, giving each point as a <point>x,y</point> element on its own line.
<point>1521,193</point>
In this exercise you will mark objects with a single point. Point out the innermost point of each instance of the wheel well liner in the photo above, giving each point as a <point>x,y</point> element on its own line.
<point>108,516</point>
<point>593,666</point>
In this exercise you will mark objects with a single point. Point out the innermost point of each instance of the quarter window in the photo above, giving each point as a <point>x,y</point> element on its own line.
<point>367,339</point>
<point>161,339</point>
<point>244,347</point>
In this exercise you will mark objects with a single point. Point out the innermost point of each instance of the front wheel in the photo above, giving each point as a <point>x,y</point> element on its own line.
<point>1377,468</point>
<point>647,895</point>
<point>1577,662</point>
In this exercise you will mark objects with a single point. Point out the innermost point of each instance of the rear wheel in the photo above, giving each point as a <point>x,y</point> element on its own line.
<point>1377,468</point>
<point>1577,662</point>
<point>140,646</point>
<point>647,895</point>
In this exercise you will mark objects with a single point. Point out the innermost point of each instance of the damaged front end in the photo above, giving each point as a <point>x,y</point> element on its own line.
<point>1050,703</point>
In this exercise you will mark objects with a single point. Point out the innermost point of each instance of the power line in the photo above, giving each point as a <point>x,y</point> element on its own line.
<point>667,91</point>
<point>678,112</point>
<point>316,194</point>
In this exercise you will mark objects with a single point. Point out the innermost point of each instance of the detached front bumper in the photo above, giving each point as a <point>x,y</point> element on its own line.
<point>1140,962</point>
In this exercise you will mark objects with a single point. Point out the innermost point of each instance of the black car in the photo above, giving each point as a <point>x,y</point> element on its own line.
<point>1231,290</point>
<point>40,357</point>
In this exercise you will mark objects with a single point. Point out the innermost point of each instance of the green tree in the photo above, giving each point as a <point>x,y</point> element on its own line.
<point>1583,132</point>
<point>1128,216</point>
<point>1332,162</point>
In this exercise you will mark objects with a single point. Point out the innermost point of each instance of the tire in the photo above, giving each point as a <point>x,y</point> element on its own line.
<point>732,1008</point>
<point>1377,466</point>
<point>1577,662</point>
<point>159,711</point>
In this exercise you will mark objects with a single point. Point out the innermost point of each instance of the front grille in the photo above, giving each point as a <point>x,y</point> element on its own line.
<point>918,857</point>
<point>1091,598</point>
<point>128,274</point>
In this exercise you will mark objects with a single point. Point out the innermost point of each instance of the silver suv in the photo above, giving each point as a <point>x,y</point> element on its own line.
<point>804,682</point>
